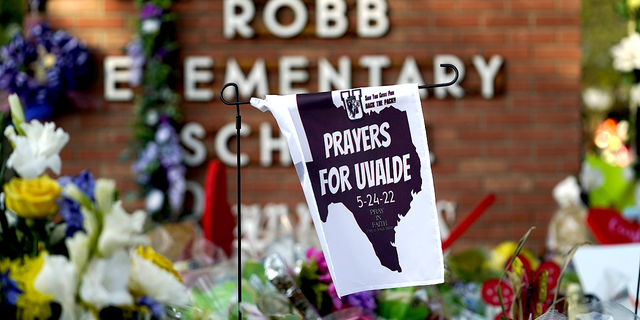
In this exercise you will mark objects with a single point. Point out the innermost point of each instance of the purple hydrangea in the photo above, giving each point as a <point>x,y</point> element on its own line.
<point>67,63</point>
<point>150,10</point>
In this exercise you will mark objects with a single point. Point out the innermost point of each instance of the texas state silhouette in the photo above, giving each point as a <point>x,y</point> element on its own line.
<point>376,219</point>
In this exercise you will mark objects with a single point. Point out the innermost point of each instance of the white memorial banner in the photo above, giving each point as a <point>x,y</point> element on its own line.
<point>363,162</point>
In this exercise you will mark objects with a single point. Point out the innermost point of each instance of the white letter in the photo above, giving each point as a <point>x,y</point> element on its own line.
<point>272,23</point>
<point>411,74</point>
<point>192,77</point>
<point>188,135</point>
<point>112,76</point>
<point>328,142</point>
<point>333,172</point>
<point>407,166</point>
<point>238,21</point>
<point>256,81</point>
<point>372,11</point>
<point>331,11</point>
<point>328,76</point>
<point>440,75</point>
<point>198,198</point>
<point>375,65</point>
<point>288,76</point>
<point>323,181</point>
<point>222,138</point>
<point>269,144</point>
<point>487,73</point>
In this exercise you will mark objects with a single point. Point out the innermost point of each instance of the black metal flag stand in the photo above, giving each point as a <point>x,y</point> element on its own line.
<point>237,103</point>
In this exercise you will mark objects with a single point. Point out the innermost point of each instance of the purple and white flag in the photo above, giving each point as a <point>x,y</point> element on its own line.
<point>363,162</point>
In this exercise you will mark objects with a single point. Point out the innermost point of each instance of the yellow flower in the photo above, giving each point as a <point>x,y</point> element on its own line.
<point>32,198</point>
<point>159,260</point>
<point>633,4</point>
<point>31,304</point>
<point>501,254</point>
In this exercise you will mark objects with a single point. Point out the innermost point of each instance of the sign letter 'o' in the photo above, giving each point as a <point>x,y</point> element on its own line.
<point>274,26</point>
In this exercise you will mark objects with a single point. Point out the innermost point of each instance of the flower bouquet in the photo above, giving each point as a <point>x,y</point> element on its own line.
<point>43,68</point>
<point>69,249</point>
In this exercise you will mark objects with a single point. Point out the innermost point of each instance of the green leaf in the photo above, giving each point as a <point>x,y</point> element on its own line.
<point>513,257</point>
<point>567,259</point>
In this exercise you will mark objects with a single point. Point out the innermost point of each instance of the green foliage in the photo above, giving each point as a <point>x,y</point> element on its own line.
<point>468,265</point>
<point>603,25</point>
<point>11,13</point>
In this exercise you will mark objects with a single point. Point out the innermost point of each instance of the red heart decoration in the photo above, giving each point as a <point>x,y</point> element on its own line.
<point>609,227</point>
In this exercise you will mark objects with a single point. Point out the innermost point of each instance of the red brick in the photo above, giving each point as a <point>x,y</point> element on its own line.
<point>534,166</point>
<point>432,5</point>
<point>508,119</point>
<point>558,21</point>
<point>569,36</point>
<point>570,5</point>
<point>558,150</point>
<point>100,23</point>
<point>481,5</point>
<point>445,151</point>
<point>67,6</point>
<point>118,5</point>
<point>460,183</point>
<point>483,166</point>
<point>557,52</point>
<point>506,21</point>
<point>457,21</point>
<point>520,150</point>
<point>508,184</point>
<point>483,37</point>
<point>532,36</point>
<point>558,86</point>
<point>532,134</point>
<point>532,5</point>
<point>487,134</point>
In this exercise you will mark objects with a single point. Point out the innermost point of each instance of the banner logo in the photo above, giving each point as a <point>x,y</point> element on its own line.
<point>352,101</point>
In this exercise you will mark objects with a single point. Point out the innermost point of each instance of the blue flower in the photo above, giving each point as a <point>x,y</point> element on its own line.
<point>70,212</point>
<point>83,180</point>
<point>10,290</point>
<point>157,309</point>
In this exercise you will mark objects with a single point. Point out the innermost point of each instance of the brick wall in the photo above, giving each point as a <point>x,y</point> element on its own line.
<point>518,144</point>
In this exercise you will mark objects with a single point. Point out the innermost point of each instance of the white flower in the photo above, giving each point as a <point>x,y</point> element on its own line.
<point>590,178</point>
<point>78,247</point>
<point>154,200</point>
<point>17,113</point>
<point>121,230</point>
<point>105,194</point>
<point>626,54</point>
<point>38,149</point>
<point>596,99</point>
<point>58,278</point>
<point>567,192</point>
<point>105,282</point>
<point>150,26</point>
<point>150,280</point>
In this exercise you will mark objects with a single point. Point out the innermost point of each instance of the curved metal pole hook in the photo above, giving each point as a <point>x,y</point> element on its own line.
<point>444,65</point>
<point>237,102</point>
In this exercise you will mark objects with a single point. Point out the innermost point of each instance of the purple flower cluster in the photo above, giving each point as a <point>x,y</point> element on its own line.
<point>149,11</point>
<point>136,53</point>
<point>69,209</point>
<point>42,67</point>
<point>164,153</point>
